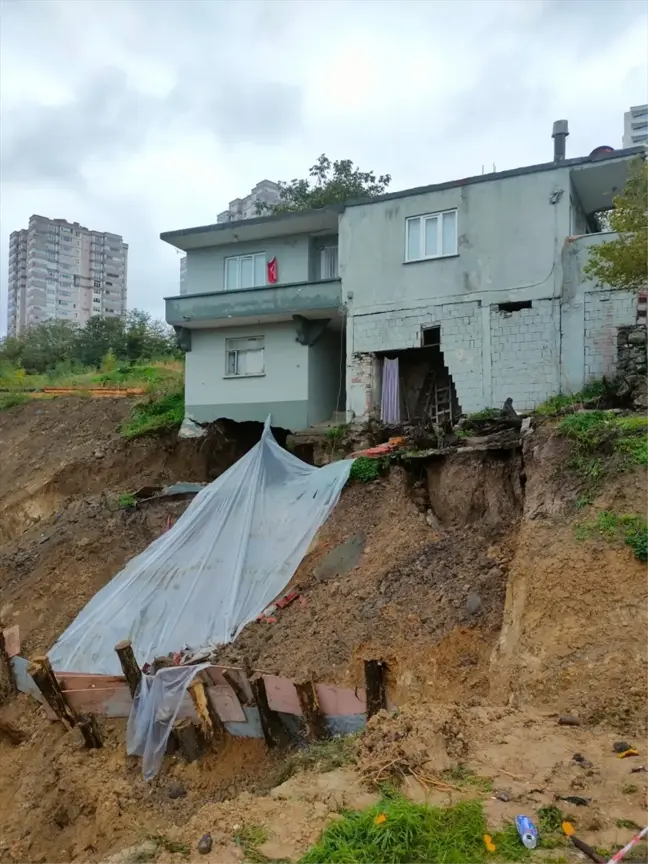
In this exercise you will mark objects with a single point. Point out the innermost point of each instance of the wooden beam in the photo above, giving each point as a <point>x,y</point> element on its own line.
<point>190,740</point>
<point>129,665</point>
<point>375,686</point>
<point>41,671</point>
<point>239,691</point>
<point>210,722</point>
<point>313,717</point>
<point>90,731</point>
<point>8,687</point>
<point>271,725</point>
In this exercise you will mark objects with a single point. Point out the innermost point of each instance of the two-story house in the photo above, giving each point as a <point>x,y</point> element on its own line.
<point>425,302</point>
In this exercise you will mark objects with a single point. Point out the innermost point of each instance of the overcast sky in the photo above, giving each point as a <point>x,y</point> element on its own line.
<point>142,116</point>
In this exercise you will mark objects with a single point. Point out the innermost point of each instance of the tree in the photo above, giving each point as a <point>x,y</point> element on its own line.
<point>623,261</point>
<point>329,183</point>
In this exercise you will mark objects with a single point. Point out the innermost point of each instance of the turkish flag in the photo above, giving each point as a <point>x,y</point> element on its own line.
<point>272,272</point>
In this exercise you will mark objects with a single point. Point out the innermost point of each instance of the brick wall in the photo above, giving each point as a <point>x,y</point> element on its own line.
<point>461,341</point>
<point>524,354</point>
<point>605,312</point>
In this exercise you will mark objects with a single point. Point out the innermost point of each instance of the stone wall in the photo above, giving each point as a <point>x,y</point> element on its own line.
<point>632,362</point>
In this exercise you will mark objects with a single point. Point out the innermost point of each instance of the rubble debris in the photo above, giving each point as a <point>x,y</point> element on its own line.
<point>569,720</point>
<point>578,800</point>
<point>621,746</point>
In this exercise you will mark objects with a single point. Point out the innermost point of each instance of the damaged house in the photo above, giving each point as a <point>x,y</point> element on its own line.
<point>424,303</point>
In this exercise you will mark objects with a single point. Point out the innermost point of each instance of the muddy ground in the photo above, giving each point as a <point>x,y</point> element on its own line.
<point>465,575</point>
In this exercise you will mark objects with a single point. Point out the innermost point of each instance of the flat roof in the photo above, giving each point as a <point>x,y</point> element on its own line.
<point>325,218</point>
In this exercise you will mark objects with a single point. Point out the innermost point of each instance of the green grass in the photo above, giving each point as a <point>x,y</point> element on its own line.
<point>11,400</point>
<point>557,404</point>
<point>155,416</point>
<point>321,756</point>
<point>629,789</point>
<point>366,470</point>
<point>484,414</point>
<point>628,823</point>
<point>126,500</point>
<point>463,777</point>
<point>170,845</point>
<point>630,528</point>
<point>396,830</point>
<point>248,838</point>
<point>550,819</point>
<point>155,376</point>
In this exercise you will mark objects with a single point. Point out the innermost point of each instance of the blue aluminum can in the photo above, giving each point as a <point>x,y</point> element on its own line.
<point>527,831</point>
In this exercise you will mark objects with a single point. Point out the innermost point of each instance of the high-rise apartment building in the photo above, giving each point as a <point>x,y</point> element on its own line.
<point>265,192</point>
<point>59,269</point>
<point>635,126</point>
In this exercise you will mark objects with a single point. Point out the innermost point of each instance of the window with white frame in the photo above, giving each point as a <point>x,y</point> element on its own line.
<point>329,262</point>
<point>433,235</point>
<point>245,356</point>
<point>245,271</point>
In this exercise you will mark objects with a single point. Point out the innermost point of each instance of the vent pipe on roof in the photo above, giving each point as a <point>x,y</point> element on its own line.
<point>559,134</point>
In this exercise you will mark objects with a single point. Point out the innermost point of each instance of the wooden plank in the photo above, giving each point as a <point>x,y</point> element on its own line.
<point>240,683</point>
<point>83,681</point>
<point>41,671</point>
<point>375,674</point>
<point>227,706</point>
<point>210,723</point>
<point>282,695</point>
<point>341,701</point>
<point>315,724</point>
<point>103,701</point>
<point>12,640</point>
<point>271,724</point>
<point>129,665</point>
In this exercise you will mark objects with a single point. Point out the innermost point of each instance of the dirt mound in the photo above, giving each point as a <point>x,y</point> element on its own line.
<point>412,587</point>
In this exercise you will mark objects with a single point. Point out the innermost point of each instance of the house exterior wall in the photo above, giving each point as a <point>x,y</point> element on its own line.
<point>326,363</point>
<point>524,353</point>
<point>282,391</point>
<point>510,234</point>
<point>205,268</point>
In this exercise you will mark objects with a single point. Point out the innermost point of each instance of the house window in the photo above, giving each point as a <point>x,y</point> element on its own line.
<point>245,356</point>
<point>431,236</point>
<point>245,271</point>
<point>329,262</point>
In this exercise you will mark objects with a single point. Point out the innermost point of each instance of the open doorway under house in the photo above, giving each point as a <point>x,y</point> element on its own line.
<point>416,385</point>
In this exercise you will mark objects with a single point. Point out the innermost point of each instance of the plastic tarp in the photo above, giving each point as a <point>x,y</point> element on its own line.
<point>155,708</point>
<point>231,553</point>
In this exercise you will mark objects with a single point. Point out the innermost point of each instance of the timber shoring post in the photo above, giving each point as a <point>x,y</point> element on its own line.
<point>90,731</point>
<point>241,695</point>
<point>375,686</point>
<point>313,718</point>
<point>129,665</point>
<point>41,671</point>
<point>8,687</point>
<point>190,738</point>
<point>271,725</point>
<point>211,723</point>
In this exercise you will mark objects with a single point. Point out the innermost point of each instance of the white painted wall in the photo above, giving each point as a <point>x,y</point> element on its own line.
<point>286,368</point>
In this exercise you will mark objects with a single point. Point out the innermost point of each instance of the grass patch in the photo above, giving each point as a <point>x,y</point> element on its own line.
<point>630,528</point>
<point>321,756</point>
<point>170,845</point>
<point>396,830</point>
<point>366,470</point>
<point>248,838</point>
<point>628,823</point>
<point>629,789</point>
<point>604,444</point>
<point>155,416</point>
<point>11,400</point>
<point>550,819</point>
<point>484,414</point>
<point>600,390</point>
<point>126,500</point>
<point>465,778</point>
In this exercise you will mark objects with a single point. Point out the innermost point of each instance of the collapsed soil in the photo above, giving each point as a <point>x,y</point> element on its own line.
<point>466,577</point>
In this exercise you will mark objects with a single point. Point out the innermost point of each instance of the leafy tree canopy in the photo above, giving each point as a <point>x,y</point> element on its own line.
<point>623,261</point>
<point>45,346</point>
<point>328,183</point>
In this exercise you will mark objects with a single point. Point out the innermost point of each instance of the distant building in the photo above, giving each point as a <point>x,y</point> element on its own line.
<point>635,126</point>
<point>183,274</point>
<point>265,192</point>
<point>59,269</point>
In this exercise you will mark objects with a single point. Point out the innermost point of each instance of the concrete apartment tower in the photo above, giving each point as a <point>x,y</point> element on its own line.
<point>59,269</point>
<point>635,126</point>
<point>265,192</point>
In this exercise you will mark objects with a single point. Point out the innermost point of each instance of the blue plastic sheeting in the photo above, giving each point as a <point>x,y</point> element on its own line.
<point>230,554</point>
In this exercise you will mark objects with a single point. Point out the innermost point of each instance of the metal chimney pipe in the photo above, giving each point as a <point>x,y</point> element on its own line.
<point>559,134</point>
